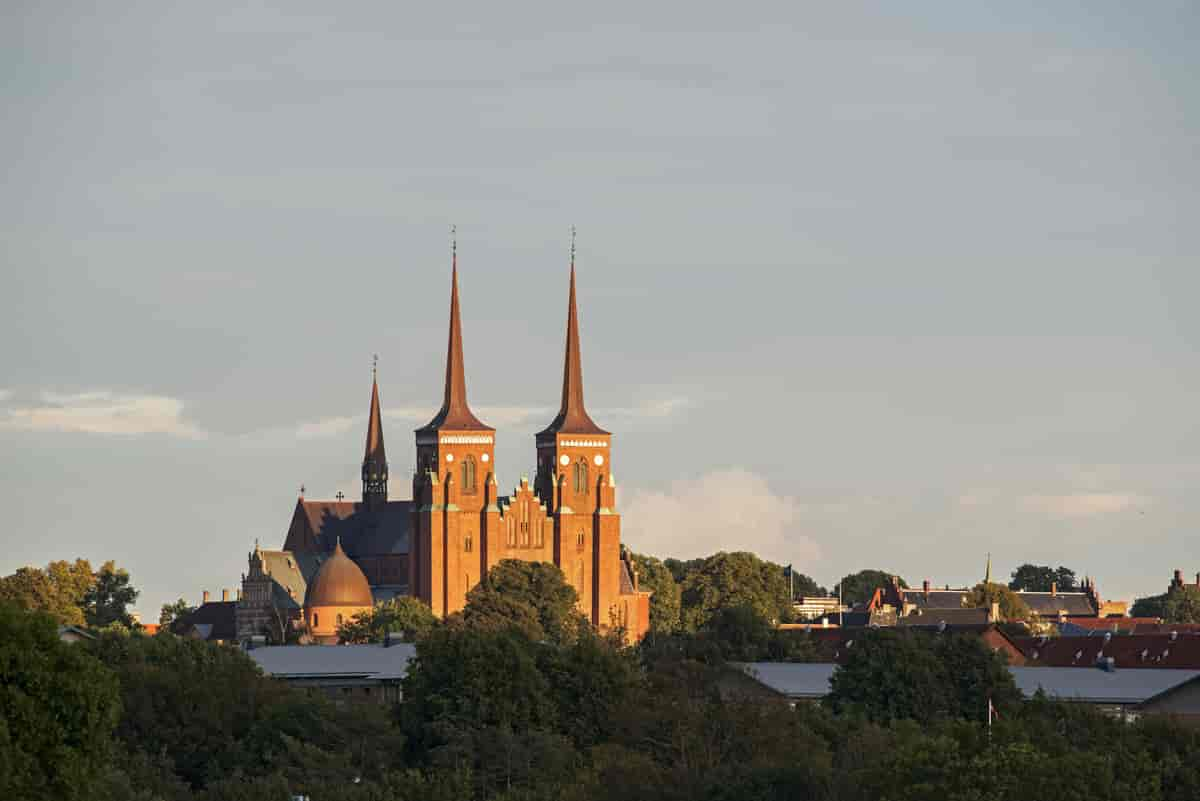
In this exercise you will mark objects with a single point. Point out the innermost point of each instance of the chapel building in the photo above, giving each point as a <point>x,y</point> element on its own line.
<point>457,526</point>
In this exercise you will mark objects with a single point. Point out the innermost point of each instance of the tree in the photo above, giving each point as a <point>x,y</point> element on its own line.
<point>58,707</point>
<point>173,612</point>
<point>680,568</point>
<point>107,601</point>
<point>1150,606</point>
<point>1182,605</point>
<point>893,674</point>
<point>734,579</point>
<point>1012,607</point>
<point>59,589</point>
<point>533,596</point>
<point>803,585</point>
<point>858,587</point>
<point>1040,578</point>
<point>664,603</point>
<point>404,615</point>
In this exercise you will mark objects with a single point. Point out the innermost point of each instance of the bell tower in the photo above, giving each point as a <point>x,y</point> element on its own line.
<point>453,485</point>
<point>574,477</point>
<point>374,466</point>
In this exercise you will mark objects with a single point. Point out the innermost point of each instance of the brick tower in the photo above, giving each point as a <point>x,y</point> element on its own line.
<point>453,488</point>
<point>575,480</point>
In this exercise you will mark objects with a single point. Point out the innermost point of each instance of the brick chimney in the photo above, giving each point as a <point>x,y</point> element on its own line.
<point>225,596</point>
<point>1053,589</point>
<point>1198,579</point>
<point>204,597</point>
<point>1177,581</point>
<point>925,586</point>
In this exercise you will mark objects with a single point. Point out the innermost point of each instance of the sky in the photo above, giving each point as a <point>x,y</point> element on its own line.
<point>861,285</point>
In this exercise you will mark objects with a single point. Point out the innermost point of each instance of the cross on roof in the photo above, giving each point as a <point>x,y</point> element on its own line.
<point>340,495</point>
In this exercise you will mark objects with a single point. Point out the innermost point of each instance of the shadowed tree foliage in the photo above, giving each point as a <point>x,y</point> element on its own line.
<point>734,579</point>
<point>896,674</point>
<point>1040,578</point>
<point>58,707</point>
<point>1150,606</point>
<point>680,568</point>
<point>405,615</point>
<point>58,589</point>
<point>108,600</point>
<point>665,603</point>
<point>532,596</point>
<point>859,587</point>
<point>173,612</point>
<point>1012,607</point>
<point>1182,605</point>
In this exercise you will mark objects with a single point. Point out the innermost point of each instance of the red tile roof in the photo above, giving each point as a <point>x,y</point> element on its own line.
<point>1126,650</point>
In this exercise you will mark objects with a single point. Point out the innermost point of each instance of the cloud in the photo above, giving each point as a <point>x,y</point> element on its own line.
<point>5,394</point>
<point>726,510</point>
<point>103,412</point>
<point>329,427</point>
<point>1084,504</point>
<point>647,410</point>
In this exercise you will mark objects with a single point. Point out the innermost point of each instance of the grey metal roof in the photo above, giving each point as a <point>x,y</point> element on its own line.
<point>793,679</point>
<point>331,661</point>
<point>1091,685</point>
<point>1100,686</point>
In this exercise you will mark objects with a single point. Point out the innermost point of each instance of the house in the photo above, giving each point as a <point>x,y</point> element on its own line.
<point>214,621</point>
<point>1125,651</point>
<point>74,634</point>
<point>370,673</point>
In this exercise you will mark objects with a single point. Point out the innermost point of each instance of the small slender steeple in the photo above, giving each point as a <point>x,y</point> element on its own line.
<point>987,576</point>
<point>572,416</point>
<point>374,466</point>
<point>455,413</point>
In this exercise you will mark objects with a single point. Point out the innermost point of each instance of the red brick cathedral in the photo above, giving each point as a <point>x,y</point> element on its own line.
<point>457,525</point>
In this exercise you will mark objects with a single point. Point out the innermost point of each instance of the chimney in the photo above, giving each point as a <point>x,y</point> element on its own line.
<point>204,597</point>
<point>1053,589</point>
<point>239,595</point>
<point>1198,579</point>
<point>1178,580</point>
<point>224,596</point>
<point>994,612</point>
<point>925,586</point>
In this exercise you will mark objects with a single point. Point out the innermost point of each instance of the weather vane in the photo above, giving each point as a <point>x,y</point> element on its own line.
<point>453,241</point>
<point>572,244</point>
<point>374,364</point>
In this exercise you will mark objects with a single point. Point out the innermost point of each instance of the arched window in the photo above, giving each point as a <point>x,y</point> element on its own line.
<point>339,619</point>
<point>468,542</point>
<point>579,539</point>
<point>316,620</point>
<point>468,474</point>
<point>581,476</point>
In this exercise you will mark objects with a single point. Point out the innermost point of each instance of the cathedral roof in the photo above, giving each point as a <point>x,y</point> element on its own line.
<point>455,414</point>
<point>572,416</point>
<point>363,531</point>
<point>339,582</point>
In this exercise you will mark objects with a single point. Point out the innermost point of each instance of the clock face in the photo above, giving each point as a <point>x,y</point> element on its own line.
<point>599,460</point>
<point>564,460</point>
<point>484,457</point>
<point>449,457</point>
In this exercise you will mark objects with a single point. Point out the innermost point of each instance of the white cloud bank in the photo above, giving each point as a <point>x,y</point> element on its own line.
<point>726,510</point>
<point>102,412</point>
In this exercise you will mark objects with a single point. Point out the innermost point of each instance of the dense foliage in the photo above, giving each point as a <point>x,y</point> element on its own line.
<point>734,579</point>
<point>665,603</point>
<point>1179,605</point>
<point>859,587</point>
<point>1040,578</point>
<point>58,589</point>
<point>58,706</point>
<point>405,616</point>
<point>1011,606</point>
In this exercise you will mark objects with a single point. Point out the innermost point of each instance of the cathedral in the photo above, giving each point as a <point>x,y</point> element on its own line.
<point>340,556</point>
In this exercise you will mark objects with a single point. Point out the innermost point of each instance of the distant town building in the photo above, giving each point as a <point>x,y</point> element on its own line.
<point>348,673</point>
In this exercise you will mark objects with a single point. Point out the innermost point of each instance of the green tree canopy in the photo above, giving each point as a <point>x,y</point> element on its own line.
<point>665,605</point>
<point>1182,605</point>
<point>404,615</point>
<point>58,589</point>
<point>803,585</point>
<point>858,587</point>
<point>1040,578</point>
<point>108,600</point>
<point>173,612</point>
<point>58,707</point>
<point>532,596</point>
<point>734,579</point>
<point>895,674</point>
<point>1150,606</point>
<point>681,567</point>
<point>1012,607</point>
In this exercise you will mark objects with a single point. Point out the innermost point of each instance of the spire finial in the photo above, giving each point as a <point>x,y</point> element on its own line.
<point>987,576</point>
<point>374,365</point>
<point>454,244</point>
<point>572,247</point>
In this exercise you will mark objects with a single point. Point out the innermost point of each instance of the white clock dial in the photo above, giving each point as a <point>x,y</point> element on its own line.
<point>564,460</point>
<point>599,460</point>
<point>484,457</point>
<point>449,457</point>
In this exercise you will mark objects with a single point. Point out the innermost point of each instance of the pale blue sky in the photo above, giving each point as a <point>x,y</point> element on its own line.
<point>861,286</point>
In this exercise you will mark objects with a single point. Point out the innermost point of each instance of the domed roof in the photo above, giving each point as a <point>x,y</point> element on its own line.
<point>339,582</point>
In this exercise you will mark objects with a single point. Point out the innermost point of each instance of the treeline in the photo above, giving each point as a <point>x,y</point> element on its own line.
<point>518,698</point>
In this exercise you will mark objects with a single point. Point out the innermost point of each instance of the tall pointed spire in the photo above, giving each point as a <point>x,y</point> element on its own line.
<point>374,466</point>
<point>455,413</point>
<point>572,416</point>
<point>987,576</point>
